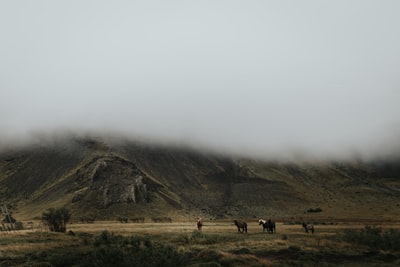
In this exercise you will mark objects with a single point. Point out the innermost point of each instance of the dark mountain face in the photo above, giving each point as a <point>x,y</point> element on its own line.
<point>130,179</point>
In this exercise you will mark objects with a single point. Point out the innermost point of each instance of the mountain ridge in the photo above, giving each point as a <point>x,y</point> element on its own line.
<point>109,179</point>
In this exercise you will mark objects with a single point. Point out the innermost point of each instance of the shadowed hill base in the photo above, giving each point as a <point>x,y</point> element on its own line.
<point>109,180</point>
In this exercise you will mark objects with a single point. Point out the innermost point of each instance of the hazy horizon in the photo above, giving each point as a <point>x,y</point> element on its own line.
<point>263,78</point>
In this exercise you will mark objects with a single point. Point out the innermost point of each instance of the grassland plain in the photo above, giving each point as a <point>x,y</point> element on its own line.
<point>106,243</point>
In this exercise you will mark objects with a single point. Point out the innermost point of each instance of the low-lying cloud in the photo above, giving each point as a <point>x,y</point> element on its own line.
<point>264,79</point>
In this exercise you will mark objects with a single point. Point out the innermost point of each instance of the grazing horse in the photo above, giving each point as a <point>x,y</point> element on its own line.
<point>199,224</point>
<point>241,226</point>
<point>308,227</point>
<point>269,225</point>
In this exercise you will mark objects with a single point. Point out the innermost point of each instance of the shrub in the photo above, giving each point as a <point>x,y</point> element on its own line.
<point>374,237</point>
<point>19,226</point>
<point>56,219</point>
<point>106,238</point>
<point>197,237</point>
<point>116,250</point>
<point>314,210</point>
<point>392,239</point>
<point>64,259</point>
<point>9,219</point>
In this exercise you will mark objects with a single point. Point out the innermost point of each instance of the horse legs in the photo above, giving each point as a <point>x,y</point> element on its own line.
<point>269,230</point>
<point>242,229</point>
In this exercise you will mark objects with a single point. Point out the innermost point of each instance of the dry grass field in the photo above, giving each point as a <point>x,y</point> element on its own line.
<point>219,244</point>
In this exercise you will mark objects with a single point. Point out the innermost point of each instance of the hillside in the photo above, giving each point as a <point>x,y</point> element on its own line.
<point>111,179</point>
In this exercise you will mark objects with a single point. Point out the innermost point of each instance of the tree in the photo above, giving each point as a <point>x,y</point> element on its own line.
<point>56,219</point>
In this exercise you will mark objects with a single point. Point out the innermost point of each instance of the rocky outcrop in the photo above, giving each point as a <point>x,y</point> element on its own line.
<point>111,179</point>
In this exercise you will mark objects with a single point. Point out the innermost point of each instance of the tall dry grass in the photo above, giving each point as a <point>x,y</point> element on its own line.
<point>218,244</point>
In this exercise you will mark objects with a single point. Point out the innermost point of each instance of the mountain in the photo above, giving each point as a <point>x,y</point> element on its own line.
<point>109,179</point>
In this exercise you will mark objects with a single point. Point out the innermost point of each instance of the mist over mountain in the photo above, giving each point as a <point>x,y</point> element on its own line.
<point>274,80</point>
<point>386,151</point>
<point>181,108</point>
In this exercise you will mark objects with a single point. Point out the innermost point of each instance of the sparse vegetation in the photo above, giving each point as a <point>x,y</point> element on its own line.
<point>166,244</point>
<point>374,237</point>
<point>116,250</point>
<point>197,237</point>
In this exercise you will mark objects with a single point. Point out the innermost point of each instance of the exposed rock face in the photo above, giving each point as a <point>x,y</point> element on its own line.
<point>109,180</point>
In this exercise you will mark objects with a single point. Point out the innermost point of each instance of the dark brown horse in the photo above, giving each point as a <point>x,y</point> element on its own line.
<point>308,227</point>
<point>241,226</point>
<point>199,224</point>
<point>269,225</point>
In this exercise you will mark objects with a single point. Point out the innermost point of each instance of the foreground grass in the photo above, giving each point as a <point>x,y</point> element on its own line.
<point>178,244</point>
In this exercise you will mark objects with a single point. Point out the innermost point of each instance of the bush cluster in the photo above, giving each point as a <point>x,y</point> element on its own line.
<point>314,210</point>
<point>374,237</point>
<point>56,219</point>
<point>116,250</point>
<point>197,237</point>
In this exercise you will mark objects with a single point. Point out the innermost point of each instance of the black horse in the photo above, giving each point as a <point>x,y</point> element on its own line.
<point>241,226</point>
<point>308,227</point>
<point>269,225</point>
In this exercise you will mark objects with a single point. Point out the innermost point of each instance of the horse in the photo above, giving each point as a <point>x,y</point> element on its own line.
<point>308,227</point>
<point>241,226</point>
<point>269,225</point>
<point>199,224</point>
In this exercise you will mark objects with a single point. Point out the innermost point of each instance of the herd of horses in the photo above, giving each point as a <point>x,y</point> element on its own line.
<point>267,225</point>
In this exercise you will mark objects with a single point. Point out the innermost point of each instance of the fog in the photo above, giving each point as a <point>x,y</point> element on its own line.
<point>262,78</point>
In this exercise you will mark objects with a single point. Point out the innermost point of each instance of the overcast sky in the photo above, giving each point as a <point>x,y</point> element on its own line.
<point>259,77</point>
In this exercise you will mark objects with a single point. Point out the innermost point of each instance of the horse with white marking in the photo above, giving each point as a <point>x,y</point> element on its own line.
<point>308,227</point>
<point>269,225</point>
